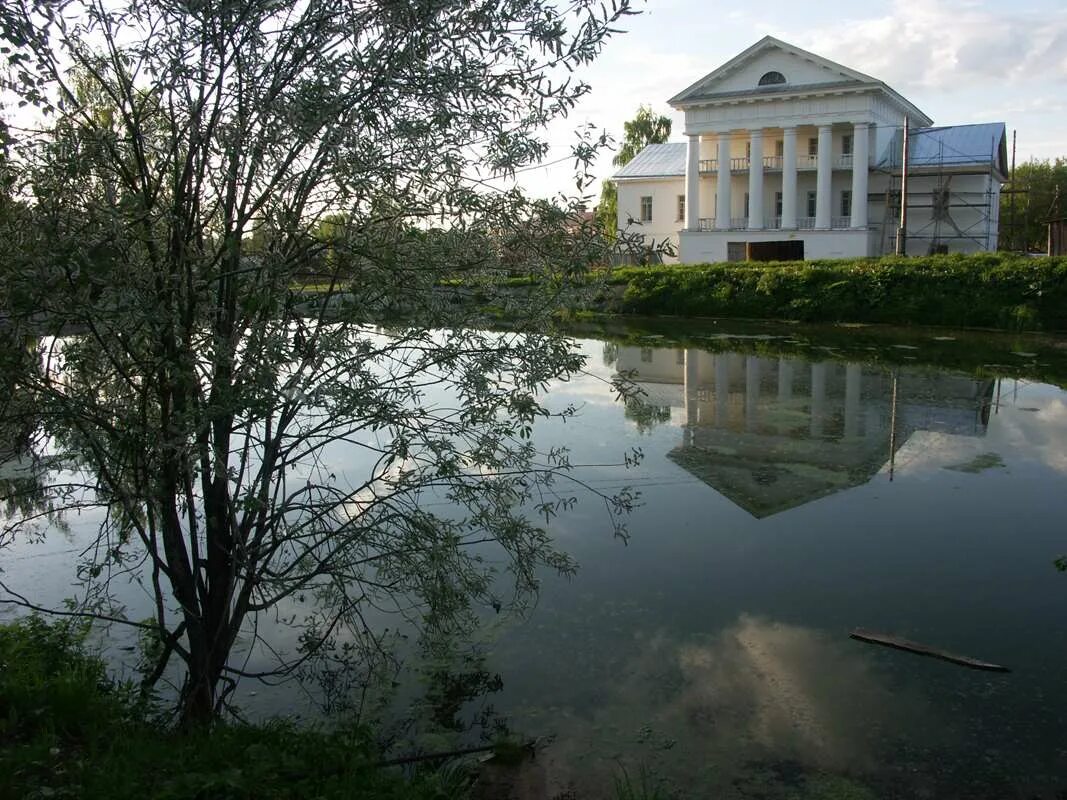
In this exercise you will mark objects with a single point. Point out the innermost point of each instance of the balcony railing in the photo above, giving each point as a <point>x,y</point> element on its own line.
<point>774,223</point>
<point>775,163</point>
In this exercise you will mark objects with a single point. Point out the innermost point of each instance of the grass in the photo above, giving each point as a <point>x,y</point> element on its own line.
<point>68,731</point>
<point>644,787</point>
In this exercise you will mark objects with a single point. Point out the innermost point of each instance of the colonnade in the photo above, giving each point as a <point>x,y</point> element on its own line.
<point>756,164</point>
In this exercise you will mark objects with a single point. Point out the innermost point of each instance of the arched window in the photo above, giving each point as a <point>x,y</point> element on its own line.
<point>771,79</point>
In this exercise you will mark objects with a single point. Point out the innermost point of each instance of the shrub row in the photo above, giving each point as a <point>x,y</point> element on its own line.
<point>990,290</point>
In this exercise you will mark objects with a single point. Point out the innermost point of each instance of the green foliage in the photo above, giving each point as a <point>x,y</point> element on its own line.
<point>644,787</point>
<point>607,210</point>
<point>984,290</point>
<point>203,162</point>
<point>1041,193</point>
<point>49,686</point>
<point>70,732</point>
<point>644,129</point>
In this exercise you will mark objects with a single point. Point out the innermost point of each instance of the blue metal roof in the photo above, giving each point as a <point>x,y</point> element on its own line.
<point>980,145</point>
<point>656,161</point>
<point>947,146</point>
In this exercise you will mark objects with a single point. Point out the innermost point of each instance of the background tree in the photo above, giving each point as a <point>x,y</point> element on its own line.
<point>1024,225</point>
<point>644,129</point>
<point>223,354</point>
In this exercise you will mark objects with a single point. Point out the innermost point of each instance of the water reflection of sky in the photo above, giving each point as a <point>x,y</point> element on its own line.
<point>713,647</point>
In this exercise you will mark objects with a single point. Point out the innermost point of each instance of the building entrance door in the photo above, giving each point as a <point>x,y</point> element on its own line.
<point>788,250</point>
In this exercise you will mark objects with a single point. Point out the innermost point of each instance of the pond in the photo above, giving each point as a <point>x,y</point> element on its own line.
<point>796,484</point>
<point>792,495</point>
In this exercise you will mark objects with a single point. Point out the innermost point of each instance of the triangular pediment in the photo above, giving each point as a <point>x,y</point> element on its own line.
<point>798,69</point>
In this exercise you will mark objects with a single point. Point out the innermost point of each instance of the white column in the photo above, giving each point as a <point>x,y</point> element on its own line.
<point>860,166</point>
<point>853,386</point>
<point>755,180</point>
<point>823,200</point>
<point>752,381</point>
<point>692,185</point>
<point>818,398</point>
<point>692,411</point>
<point>789,178</point>
<point>722,214</point>
<point>785,380</point>
<point>722,389</point>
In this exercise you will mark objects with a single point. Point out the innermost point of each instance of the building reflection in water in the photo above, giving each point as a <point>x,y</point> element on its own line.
<point>774,433</point>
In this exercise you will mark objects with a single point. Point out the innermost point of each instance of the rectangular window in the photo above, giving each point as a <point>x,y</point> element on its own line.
<point>777,204</point>
<point>681,207</point>
<point>646,208</point>
<point>846,144</point>
<point>680,358</point>
<point>813,146</point>
<point>846,203</point>
<point>811,204</point>
<point>748,149</point>
<point>746,204</point>
<point>779,148</point>
<point>646,355</point>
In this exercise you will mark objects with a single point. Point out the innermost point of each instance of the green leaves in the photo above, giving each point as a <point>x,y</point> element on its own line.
<point>242,221</point>
<point>644,129</point>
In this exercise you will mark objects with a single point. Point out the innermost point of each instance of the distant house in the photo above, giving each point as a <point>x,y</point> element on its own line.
<point>790,155</point>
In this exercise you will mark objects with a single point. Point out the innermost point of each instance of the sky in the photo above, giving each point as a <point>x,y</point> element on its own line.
<point>959,61</point>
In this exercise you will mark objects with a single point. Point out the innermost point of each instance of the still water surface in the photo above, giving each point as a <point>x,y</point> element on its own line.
<point>794,489</point>
<point>790,497</point>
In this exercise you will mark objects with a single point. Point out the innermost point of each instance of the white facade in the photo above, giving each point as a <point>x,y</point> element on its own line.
<point>788,155</point>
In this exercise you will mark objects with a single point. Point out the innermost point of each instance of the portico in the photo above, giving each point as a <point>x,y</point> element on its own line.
<point>771,181</point>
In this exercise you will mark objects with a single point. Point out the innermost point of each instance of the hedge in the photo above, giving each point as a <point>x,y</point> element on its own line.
<point>990,290</point>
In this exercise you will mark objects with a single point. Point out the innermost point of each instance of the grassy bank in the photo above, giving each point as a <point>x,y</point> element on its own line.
<point>989,290</point>
<point>68,731</point>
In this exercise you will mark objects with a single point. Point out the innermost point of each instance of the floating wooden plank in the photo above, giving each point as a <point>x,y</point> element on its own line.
<point>897,643</point>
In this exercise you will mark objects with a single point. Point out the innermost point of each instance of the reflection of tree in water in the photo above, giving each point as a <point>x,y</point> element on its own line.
<point>451,705</point>
<point>28,497</point>
<point>610,354</point>
<point>646,415</point>
<point>24,492</point>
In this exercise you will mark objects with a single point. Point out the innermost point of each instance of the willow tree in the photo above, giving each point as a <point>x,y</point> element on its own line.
<point>218,351</point>
<point>644,129</point>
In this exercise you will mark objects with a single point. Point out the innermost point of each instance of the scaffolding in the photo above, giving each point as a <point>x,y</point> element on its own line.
<point>942,225</point>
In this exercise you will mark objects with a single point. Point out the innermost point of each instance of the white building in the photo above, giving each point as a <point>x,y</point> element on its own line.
<point>790,155</point>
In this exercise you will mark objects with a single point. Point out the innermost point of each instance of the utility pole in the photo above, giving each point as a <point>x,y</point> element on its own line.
<point>1012,245</point>
<point>1053,220</point>
<point>902,234</point>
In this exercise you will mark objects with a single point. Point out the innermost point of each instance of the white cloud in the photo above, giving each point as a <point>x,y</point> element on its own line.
<point>959,61</point>
<point>947,44</point>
